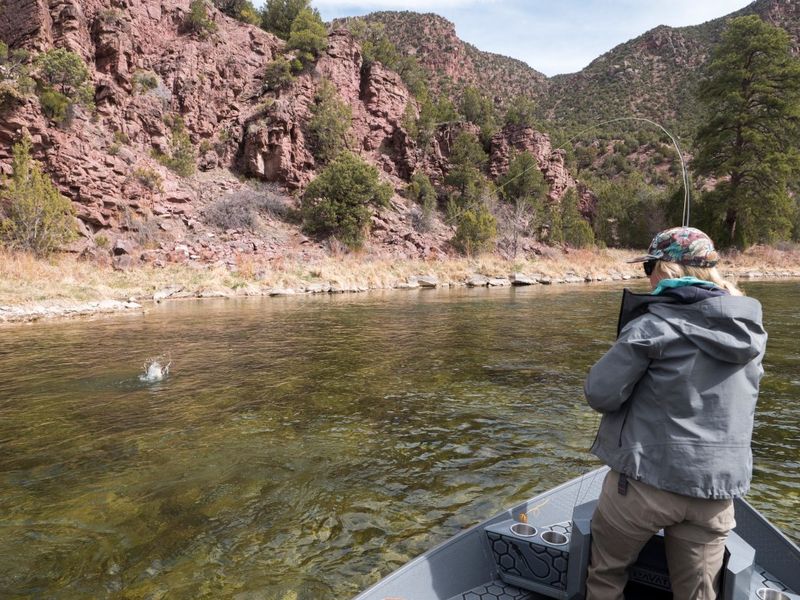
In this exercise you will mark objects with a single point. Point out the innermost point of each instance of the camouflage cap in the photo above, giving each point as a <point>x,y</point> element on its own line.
<point>684,245</point>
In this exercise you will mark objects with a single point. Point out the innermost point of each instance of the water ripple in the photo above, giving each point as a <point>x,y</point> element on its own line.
<point>303,449</point>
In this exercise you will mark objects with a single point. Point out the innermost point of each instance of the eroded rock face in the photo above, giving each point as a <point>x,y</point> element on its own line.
<point>146,73</point>
<point>26,23</point>
<point>436,162</point>
<point>276,144</point>
<point>150,77</point>
<point>551,163</point>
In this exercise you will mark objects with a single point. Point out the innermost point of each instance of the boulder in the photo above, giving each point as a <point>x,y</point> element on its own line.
<point>123,246</point>
<point>477,281</point>
<point>165,293</point>
<point>498,282</point>
<point>282,292</point>
<point>428,281</point>
<point>522,279</point>
<point>318,288</point>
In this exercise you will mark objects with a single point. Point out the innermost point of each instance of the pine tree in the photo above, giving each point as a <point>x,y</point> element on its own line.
<point>198,20</point>
<point>467,159</point>
<point>241,10</point>
<point>479,109</point>
<point>39,218</point>
<point>523,190</point>
<point>308,35</point>
<point>330,124</point>
<point>338,201</point>
<point>750,141</point>
<point>576,230</point>
<point>277,16</point>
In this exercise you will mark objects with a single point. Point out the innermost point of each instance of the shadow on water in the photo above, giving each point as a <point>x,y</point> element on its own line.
<point>302,448</point>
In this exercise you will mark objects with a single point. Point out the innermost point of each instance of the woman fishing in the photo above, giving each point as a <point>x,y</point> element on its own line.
<point>677,392</point>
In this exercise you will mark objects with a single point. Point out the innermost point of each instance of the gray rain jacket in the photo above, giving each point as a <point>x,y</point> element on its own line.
<point>678,391</point>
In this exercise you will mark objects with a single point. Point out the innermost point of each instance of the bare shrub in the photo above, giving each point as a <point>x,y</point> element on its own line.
<point>144,228</point>
<point>149,179</point>
<point>516,220</point>
<point>241,209</point>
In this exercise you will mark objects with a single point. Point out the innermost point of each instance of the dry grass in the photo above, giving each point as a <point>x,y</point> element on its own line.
<point>26,280</point>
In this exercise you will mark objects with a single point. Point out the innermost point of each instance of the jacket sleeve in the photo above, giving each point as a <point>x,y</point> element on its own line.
<point>613,378</point>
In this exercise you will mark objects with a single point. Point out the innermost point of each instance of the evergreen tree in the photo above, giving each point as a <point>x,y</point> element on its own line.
<point>198,21</point>
<point>278,74</point>
<point>523,180</point>
<point>750,141</point>
<point>421,190</point>
<point>629,211</point>
<point>523,190</point>
<point>476,230</point>
<point>337,202</point>
<point>330,124</point>
<point>308,35</point>
<point>477,108</point>
<point>375,43</point>
<point>467,159</point>
<point>39,218</point>
<point>576,230</point>
<point>422,129</point>
<point>64,71</point>
<point>64,81</point>
<point>241,10</point>
<point>277,16</point>
<point>521,112</point>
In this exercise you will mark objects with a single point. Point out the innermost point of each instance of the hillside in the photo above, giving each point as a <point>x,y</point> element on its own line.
<point>185,153</point>
<point>453,63</point>
<point>653,75</point>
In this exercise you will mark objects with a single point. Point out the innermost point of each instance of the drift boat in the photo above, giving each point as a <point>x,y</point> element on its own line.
<point>540,549</point>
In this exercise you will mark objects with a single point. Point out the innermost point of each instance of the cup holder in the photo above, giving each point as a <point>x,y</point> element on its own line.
<point>555,538</point>
<point>523,530</point>
<point>770,594</point>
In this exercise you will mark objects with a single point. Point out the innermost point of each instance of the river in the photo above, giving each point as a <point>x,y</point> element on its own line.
<point>300,448</point>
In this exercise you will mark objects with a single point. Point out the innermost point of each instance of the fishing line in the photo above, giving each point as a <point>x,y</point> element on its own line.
<point>684,173</point>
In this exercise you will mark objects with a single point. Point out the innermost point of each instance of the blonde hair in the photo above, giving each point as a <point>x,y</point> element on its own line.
<point>672,270</point>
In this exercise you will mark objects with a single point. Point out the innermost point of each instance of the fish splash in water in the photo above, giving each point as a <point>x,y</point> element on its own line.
<point>155,370</point>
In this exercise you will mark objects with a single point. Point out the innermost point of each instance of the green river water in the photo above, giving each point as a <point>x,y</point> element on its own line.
<point>303,447</point>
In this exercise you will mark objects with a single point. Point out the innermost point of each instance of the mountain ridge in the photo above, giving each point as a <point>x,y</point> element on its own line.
<point>629,75</point>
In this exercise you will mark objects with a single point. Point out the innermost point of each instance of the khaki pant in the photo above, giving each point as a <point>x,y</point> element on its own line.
<point>695,531</point>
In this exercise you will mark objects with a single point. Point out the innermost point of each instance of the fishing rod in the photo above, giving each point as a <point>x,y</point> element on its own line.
<point>684,172</point>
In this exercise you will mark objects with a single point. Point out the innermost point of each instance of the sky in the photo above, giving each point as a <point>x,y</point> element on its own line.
<point>561,36</point>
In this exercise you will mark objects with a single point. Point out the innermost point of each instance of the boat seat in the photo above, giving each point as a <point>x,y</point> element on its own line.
<point>650,570</point>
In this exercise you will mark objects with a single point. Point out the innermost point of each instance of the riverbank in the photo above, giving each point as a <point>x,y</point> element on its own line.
<point>33,289</point>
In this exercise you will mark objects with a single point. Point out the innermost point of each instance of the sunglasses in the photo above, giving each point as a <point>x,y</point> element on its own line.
<point>649,265</point>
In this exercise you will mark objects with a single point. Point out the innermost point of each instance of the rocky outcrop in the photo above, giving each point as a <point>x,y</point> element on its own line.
<point>436,162</point>
<point>26,23</point>
<point>433,40</point>
<point>101,158</point>
<point>276,145</point>
<point>513,139</point>
<point>153,80</point>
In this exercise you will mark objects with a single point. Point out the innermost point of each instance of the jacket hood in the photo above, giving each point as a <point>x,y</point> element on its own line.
<point>727,328</point>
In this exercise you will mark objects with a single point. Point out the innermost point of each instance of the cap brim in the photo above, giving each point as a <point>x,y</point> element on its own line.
<point>644,258</point>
